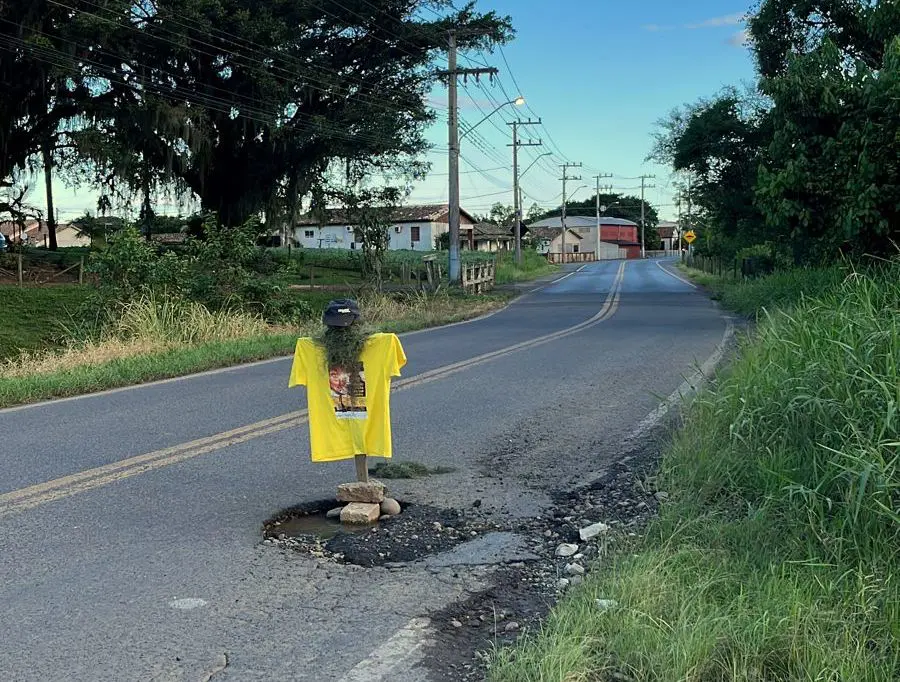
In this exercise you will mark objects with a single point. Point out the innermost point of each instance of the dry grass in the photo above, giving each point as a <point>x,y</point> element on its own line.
<point>142,327</point>
<point>158,338</point>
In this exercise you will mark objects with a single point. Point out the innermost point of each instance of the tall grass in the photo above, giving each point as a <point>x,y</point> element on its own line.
<point>158,337</point>
<point>778,556</point>
<point>782,289</point>
<point>533,265</point>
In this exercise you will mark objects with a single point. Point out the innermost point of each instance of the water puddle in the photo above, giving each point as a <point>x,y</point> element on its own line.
<point>313,525</point>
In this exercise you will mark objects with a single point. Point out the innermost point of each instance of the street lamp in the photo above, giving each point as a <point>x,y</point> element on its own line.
<point>453,203</point>
<point>518,101</point>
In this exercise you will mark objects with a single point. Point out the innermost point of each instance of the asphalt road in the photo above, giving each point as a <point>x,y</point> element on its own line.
<point>95,567</point>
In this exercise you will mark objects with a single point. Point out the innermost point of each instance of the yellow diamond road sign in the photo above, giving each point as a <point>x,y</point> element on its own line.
<point>689,236</point>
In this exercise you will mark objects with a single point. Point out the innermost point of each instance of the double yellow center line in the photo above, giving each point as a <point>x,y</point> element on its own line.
<point>27,498</point>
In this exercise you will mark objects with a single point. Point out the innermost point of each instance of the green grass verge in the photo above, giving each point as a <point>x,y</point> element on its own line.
<point>32,317</point>
<point>779,290</point>
<point>534,265</point>
<point>209,355</point>
<point>776,557</point>
<point>135,370</point>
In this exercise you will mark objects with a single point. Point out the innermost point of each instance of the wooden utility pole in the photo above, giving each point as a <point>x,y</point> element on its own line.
<point>517,202</point>
<point>597,207</point>
<point>452,73</point>
<point>644,178</point>
<point>565,176</point>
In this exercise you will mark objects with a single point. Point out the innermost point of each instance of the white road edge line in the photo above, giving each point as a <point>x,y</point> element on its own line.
<point>688,387</point>
<point>672,274</point>
<point>394,658</point>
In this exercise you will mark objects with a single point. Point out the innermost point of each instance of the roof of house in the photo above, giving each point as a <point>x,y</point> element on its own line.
<point>491,231</point>
<point>582,221</point>
<point>550,233</point>
<point>666,229</point>
<point>421,213</point>
<point>621,242</point>
<point>617,221</point>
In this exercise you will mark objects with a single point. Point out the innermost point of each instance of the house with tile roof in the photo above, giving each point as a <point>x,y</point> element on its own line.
<point>415,228</point>
<point>492,237</point>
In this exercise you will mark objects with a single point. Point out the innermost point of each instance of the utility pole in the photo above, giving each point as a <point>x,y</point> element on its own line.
<point>565,176</point>
<point>644,179</point>
<point>517,201</point>
<point>597,201</point>
<point>452,73</point>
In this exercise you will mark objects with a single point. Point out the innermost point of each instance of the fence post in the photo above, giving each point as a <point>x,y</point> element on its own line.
<point>81,271</point>
<point>465,277</point>
<point>19,267</point>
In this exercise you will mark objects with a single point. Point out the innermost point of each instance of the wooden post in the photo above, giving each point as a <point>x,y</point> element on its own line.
<point>19,260</point>
<point>362,468</point>
<point>429,274</point>
<point>81,271</point>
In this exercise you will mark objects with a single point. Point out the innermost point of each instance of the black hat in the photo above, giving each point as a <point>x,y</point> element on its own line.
<point>341,313</point>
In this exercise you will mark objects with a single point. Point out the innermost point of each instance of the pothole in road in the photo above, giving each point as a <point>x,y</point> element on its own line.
<point>418,532</point>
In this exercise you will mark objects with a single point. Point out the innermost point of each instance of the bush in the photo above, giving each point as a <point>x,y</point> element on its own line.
<point>223,269</point>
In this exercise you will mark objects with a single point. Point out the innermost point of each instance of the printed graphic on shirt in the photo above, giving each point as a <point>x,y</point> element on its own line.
<point>348,397</point>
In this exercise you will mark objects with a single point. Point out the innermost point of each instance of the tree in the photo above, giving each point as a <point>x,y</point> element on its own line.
<point>500,214</point>
<point>720,144</point>
<point>44,52</point>
<point>250,114</point>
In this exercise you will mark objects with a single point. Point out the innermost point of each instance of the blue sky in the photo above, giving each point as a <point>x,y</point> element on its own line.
<point>598,73</point>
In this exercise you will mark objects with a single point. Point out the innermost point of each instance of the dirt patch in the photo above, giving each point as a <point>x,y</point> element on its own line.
<point>624,498</point>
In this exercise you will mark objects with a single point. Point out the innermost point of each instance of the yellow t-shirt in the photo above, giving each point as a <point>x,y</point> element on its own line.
<point>343,425</point>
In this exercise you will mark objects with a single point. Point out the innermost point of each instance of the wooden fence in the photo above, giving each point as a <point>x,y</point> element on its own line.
<point>478,277</point>
<point>744,268</point>
<point>580,257</point>
<point>22,271</point>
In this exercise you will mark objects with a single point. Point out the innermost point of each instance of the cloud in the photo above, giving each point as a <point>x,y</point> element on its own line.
<point>715,22</point>
<point>740,39</point>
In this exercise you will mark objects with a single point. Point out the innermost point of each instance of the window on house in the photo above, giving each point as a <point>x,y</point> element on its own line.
<point>414,232</point>
<point>309,234</point>
<point>575,248</point>
<point>353,246</point>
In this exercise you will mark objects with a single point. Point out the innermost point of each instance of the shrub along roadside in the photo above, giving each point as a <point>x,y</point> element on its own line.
<point>158,338</point>
<point>782,289</point>
<point>776,557</point>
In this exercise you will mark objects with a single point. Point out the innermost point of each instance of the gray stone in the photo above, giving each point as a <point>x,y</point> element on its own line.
<point>574,569</point>
<point>577,579</point>
<point>511,626</point>
<point>455,623</point>
<point>593,530</point>
<point>604,604</point>
<point>390,506</point>
<point>334,513</point>
<point>562,583</point>
<point>566,549</point>
<point>662,496</point>
<point>371,492</point>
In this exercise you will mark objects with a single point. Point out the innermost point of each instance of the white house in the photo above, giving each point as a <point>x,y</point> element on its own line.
<point>549,240</point>
<point>415,228</point>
